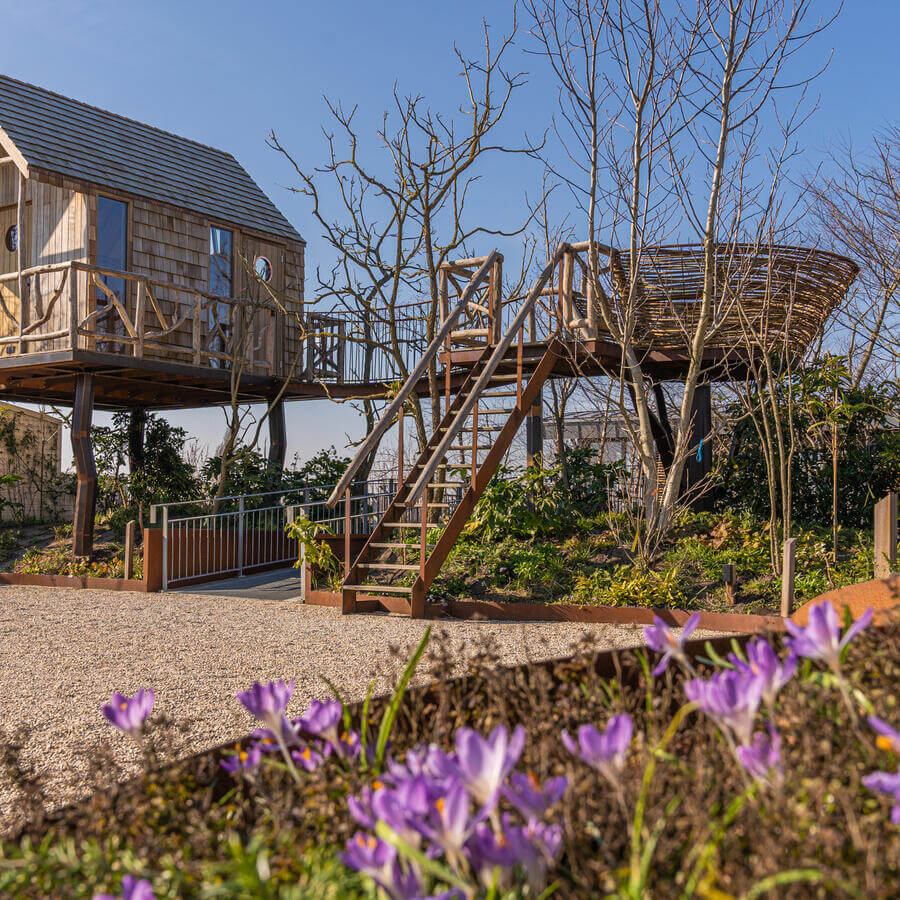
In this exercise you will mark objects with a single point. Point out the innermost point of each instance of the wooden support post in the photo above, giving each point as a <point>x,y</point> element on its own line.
<point>86,470</point>
<point>534,432</point>
<point>277,438</point>
<point>729,576</point>
<point>788,570</point>
<point>886,536</point>
<point>129,549</point>
<point>699,463</point>
<point>139,305</point>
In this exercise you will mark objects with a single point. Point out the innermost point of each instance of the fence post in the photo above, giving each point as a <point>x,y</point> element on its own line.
<point>240,536</point>
<point>885,543</point>
<point>788,566</point>
<point>165,548</point>
<point>129,549</point>
<point>347,533</point>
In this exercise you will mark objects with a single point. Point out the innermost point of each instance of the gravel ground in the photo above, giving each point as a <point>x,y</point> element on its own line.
<point>63,653</point>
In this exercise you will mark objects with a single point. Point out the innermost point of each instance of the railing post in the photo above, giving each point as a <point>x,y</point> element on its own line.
<point>885,543</point>
<point>240,536</point>
<point>423,533</point>
<point>73,306</point>
<point>519,359</point>
<point>196,328</point>
<point>165,548</point>
<point>788,567</point>
<point>347,533</point>
<point>139,317</point>
<point>129,550</point>
<point>400,446</point>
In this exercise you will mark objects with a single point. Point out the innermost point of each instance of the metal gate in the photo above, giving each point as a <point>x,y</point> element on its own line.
<point>204,540</point>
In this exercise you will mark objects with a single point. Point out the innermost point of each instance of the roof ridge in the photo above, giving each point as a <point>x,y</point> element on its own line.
<point>116,115</point>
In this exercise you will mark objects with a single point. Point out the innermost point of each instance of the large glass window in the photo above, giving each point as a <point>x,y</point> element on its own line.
<point>221,258</point>
<point>112,253</point>
<point>221,266</point>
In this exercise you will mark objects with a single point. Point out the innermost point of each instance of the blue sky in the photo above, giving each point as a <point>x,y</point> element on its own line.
<point>226,73</point>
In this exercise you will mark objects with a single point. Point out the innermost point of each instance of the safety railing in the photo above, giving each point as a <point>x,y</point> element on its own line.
<point>235,535</point>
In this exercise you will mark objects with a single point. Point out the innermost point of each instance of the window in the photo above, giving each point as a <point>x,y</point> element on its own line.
<point>12,238</point>
<point>263,269</point>
<point>221,263</point>
<point>112,253</point>
<point>221,253</point>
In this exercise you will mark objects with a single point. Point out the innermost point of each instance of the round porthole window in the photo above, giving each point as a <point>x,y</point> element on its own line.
<point>12,238</point>
<point>263,269</point>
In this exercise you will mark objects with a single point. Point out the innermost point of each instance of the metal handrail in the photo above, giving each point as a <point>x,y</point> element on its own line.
<point>414,377</point>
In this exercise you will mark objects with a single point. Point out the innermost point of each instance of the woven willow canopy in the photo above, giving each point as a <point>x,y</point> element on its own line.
<point>764,296</point>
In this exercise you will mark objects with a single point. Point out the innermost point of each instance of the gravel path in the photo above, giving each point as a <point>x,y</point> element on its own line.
<point>63,653</point>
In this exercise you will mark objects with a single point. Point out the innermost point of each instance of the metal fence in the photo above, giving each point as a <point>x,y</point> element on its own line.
<point>208,539</point>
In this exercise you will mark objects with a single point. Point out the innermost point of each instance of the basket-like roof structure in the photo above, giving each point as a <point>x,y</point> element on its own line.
<point>765,296</point>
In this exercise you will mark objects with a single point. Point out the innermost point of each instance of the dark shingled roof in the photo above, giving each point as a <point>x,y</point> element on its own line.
<point>71,138</point>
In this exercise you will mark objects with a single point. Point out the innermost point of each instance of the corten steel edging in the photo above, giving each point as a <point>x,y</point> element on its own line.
<point>77,582</point>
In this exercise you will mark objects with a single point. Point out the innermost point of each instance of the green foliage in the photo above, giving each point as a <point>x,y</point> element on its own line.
<point>60,561</point>
<point>538,502</point>
<point>317,553</point>
<point>250,473</point>
<point>164,476</point>
<point>868,448</point>
<point>630,586</point>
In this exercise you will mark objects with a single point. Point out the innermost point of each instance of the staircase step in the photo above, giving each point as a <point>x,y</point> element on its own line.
<point>448,484</point>
<point>504,378</point>
<point>485,428</point>
<point>389,545</point>
<point>495,412</point>
<point>502,394</point>
<point>409,525</point>
<point>378,588</point>
<point>393,567</point>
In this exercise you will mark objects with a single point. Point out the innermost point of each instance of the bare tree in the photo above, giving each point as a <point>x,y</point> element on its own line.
<point>859,214</point>
<point>660,121</point>
<point>402,214</point>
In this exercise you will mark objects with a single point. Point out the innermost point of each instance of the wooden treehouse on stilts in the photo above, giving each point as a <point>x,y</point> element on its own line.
<point>494,355</point>
<point>142,270</point>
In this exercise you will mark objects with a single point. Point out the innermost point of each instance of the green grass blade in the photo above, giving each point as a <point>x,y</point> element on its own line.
<point>387,720</point>
<point>364,728</point>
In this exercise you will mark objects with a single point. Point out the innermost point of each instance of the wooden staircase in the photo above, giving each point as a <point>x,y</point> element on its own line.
<point>401,557</point>
<point>436,497</point>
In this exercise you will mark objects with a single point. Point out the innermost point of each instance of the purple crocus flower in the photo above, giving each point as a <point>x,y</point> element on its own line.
<point>764,664</point>
<point>268,702</point>
<point>762,758</point>
<point>888,738</point>
<point>129,713</point>
<point>603,751</point>
<point>485,763</point>
<point>886,783</point>
<point>242,759</point>
<point>405,808</point>
<point>487,851</point>
<point>536,847</point>
<point>132,889</point>
<point>377,859</point>
<point>532,799</point>
<point>731,698</point>
<point>821,637</point>
<point>307,757</point>
<point>662,639</point>
<point>321,718</point>
<point>448,821</point>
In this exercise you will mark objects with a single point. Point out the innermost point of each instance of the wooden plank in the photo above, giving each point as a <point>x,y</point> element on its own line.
<point>788,570</point>
<point>886,536</point>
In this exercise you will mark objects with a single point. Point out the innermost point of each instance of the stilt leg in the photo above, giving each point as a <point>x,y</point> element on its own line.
<point>534,432</point>
<point>277,437</point>
<point>699,463</point>
<point>85,469</point>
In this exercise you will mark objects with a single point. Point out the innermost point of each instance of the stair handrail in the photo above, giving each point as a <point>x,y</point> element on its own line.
<point>413,379</point>
<point>484,378</point>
